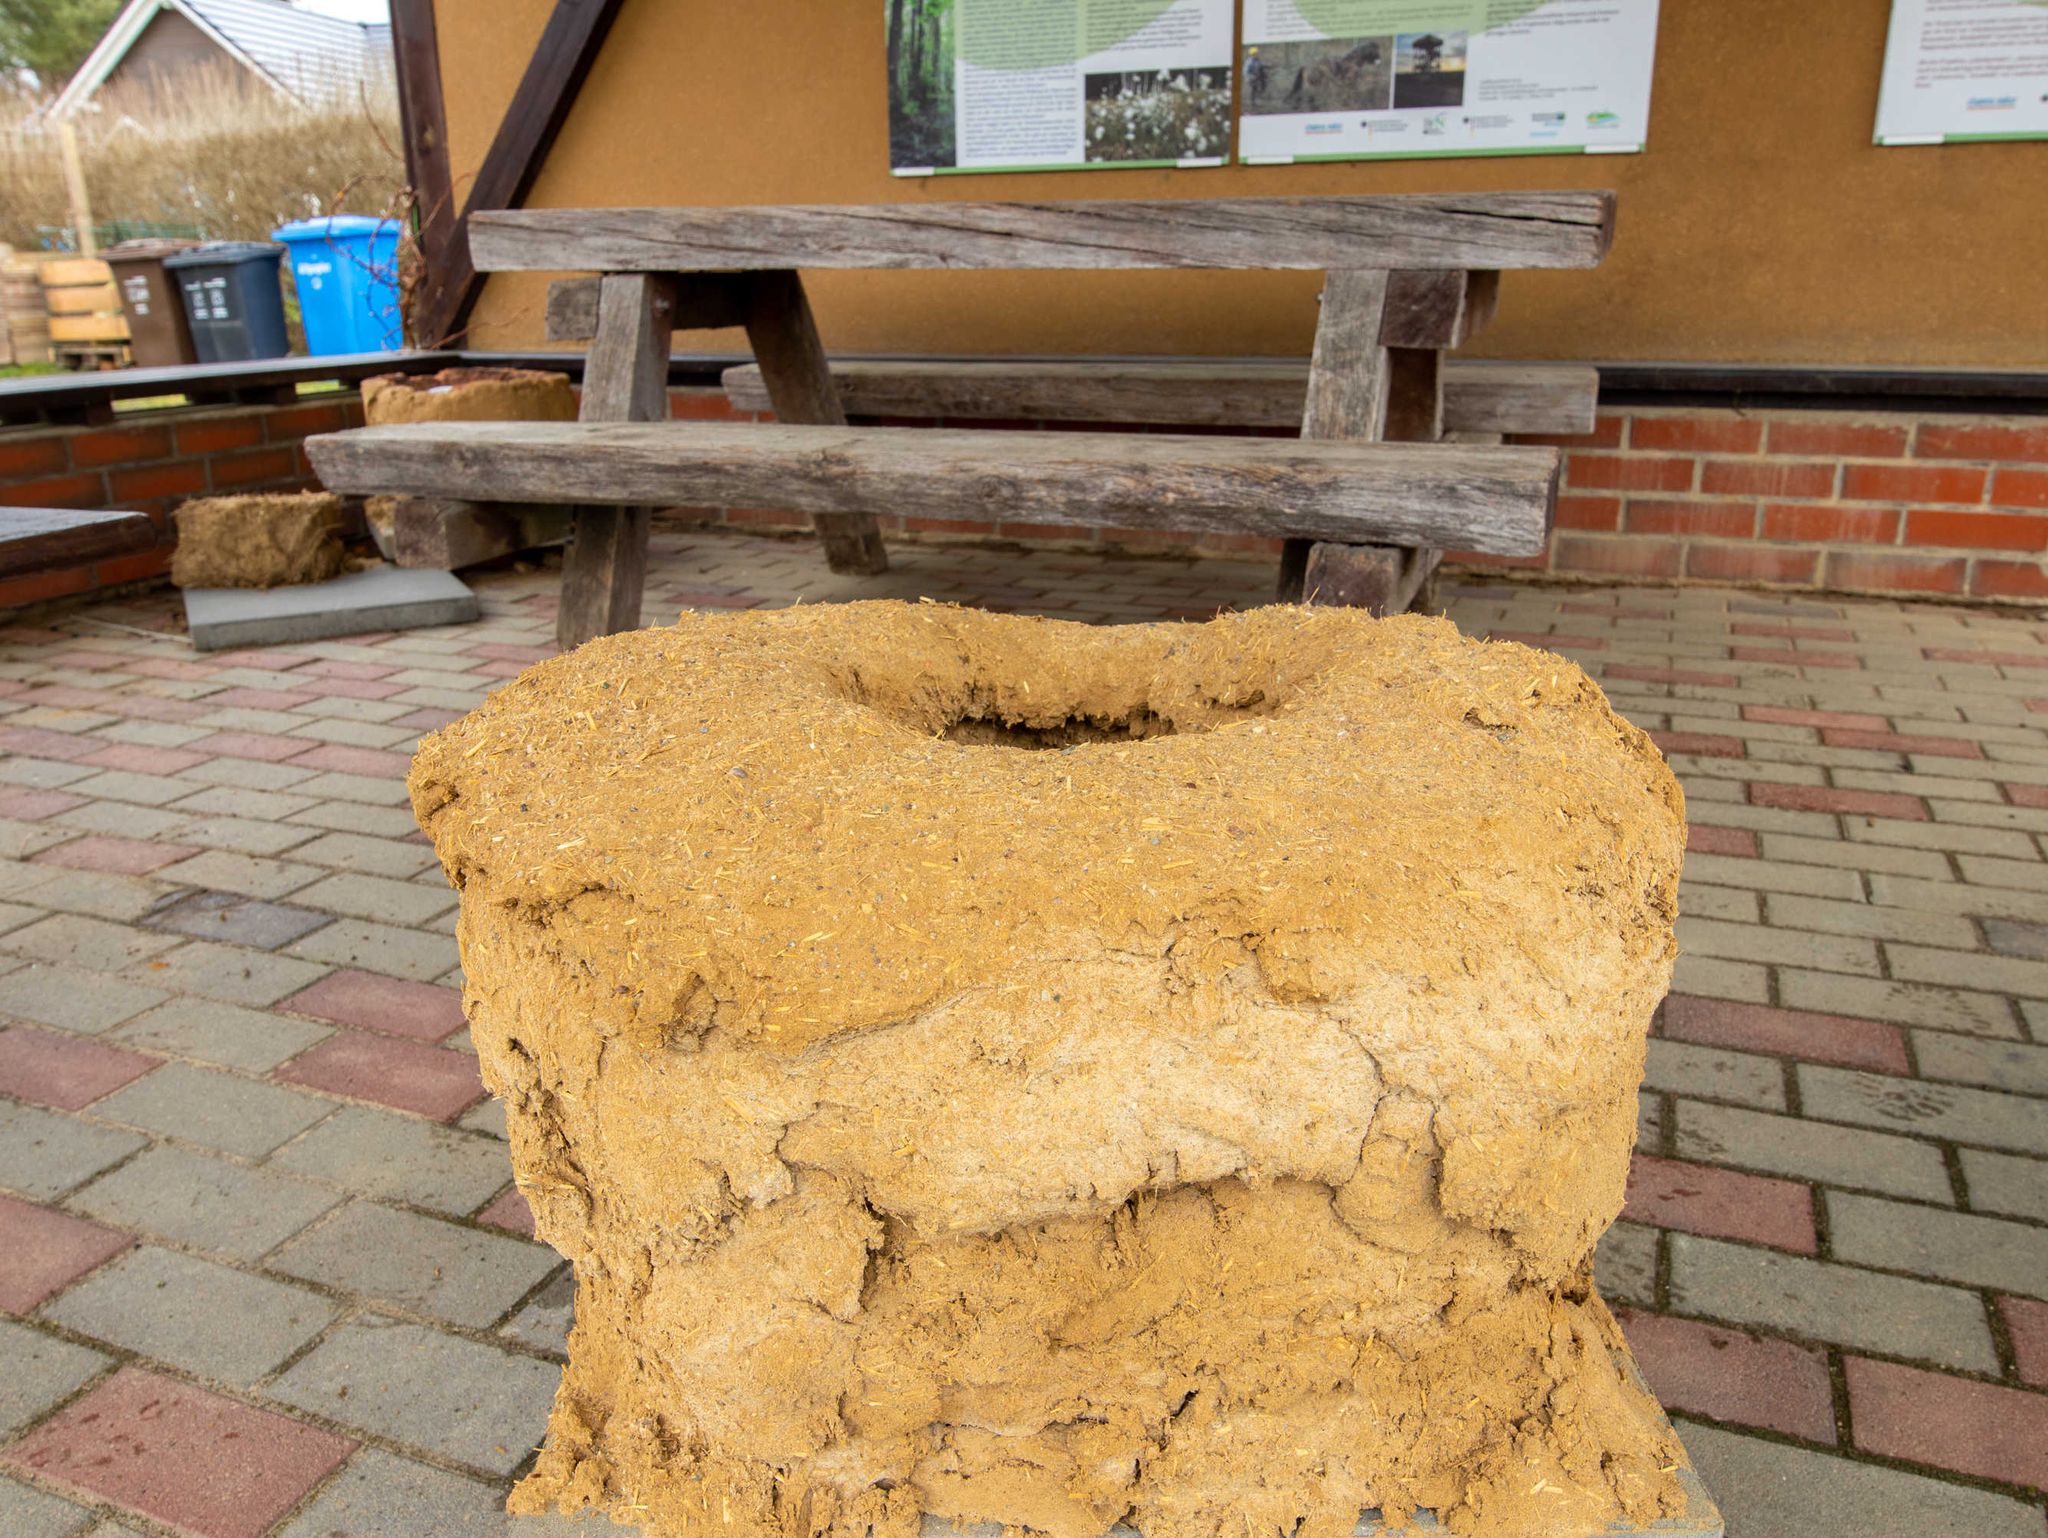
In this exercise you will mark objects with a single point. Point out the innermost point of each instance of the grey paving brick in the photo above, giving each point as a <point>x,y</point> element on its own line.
<point>380,1495</point>
<point>2003,1183</point>
<point>415,954</point>
<point>1772,1490</point>
<point>1812,1151</point>
<point>245,774</point>
<point>1959,897</point>
<point>125,785</point>
<point>1945,1009</point>
<point>87,1002</point>
<point>378,898</point>
<point>1870,922</point>
<point>74,939</point>
<point>232,973</point>
<point>19,840</point>
<point>233,801</point>
<point>1712,978</point>
<point>1968,969</point>
<point>1956,1246</point>
<point>236,920</point>
<point>469,1403</point>
<point>41,1371</point>
<point>1749,942</point>
<point>216,1110</point>
<point>1719,902</point>
<point>1993,1064</point>
<point>373,856</point>
<point>1952,836</point>
<point>1923,864</point>
<point>211,1320</point>
<point>27,1513</point>
<point>1983,1117</point>
<point>98,894</point>
<point>402,1158</point>
<point>1824,1301</point>
<point>2009,937</point>
<point>1743,1077</point>
<point>1774,875</point>
<point>206,1203</point>
<point>241,835</point>
<point>120,819</point>
<point>1624,1268</point>
<point>43,773</point>
<point>45,1153</point>
<point>488,1115</point>
<point>246,874</point>
<point>351,817</point>
<point>226,1035</point>
<point>464,1275</point>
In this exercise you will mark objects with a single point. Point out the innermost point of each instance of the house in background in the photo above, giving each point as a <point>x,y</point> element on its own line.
<point>299,53</point>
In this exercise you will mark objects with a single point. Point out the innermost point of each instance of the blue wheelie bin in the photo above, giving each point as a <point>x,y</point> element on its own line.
<point>231,297</point>
<point>346,269</point>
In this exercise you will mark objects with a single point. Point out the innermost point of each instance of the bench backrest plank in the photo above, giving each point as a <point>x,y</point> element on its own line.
<point>1456,231</point>
<point>45,538</point>
<point>1497,500</point>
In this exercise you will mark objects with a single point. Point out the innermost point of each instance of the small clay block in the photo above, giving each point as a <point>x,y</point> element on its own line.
<point>1020,1072</point>
<point>258,541</point>
<point>469,395</point>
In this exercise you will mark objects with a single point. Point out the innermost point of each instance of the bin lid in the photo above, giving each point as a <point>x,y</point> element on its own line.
<point>332,225</point>
<point>220,253</point>
<point>146,248</point>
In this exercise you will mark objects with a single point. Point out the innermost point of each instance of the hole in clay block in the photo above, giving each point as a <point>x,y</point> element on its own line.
<point>1073,732</point>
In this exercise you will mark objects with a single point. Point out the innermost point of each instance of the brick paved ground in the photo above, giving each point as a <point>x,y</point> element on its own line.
<point>266,1273</point>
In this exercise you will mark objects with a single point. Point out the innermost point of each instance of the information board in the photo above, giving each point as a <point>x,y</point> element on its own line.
<point>1041,85</point>
<point>1962,70</point>
<point>1391,79</point>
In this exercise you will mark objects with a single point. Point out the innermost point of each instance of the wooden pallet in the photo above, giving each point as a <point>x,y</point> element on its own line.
<point>86,322</point>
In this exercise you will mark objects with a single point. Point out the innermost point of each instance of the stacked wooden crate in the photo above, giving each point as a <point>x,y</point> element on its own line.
<point>24,323</point>
<point>87,326</point>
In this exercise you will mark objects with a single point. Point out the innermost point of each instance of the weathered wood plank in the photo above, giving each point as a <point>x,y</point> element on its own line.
<point>447,534</point>
<point>46,538</point>
<point>1426,309</point>
<point>784,337</point>
<point>1467,230</point>
<point>1478,397</point>
<point>704,302</point>
<point>1492,499</point>
<point>604,572</point>
<point>1385,579</point>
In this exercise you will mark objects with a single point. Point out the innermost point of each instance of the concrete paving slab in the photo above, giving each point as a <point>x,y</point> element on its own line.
<point>380,598</point>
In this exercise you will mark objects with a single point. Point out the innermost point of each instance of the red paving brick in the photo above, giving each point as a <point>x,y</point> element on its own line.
<point>1638,673</point>
<point>423,1011</point>
<point>343,759</point>
<point>1795,659</point>
<point>62,1070</point>
<point>34,805</point>
<point>1826,798</point>
<point>115,856</point>
<point>1811,1037</point>
<point>143,760</point>
<point>1704,838</point>
<point>510,1212</point>
<point>194,1461</point>
<point>43,1251</point>
<point>1896,742</point>
<point>1700,744</point>
<point>2026,795</point>
<point>1951,1423</point>
<point>254,745</point>
<point>2026,1321</point>
<point>1725,1204</point>
<point>1732,1375</point>
<point>404,1074</point>
<point>1784,715</point>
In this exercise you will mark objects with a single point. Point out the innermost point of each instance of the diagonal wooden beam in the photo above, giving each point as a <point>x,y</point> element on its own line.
<point>569,44</point>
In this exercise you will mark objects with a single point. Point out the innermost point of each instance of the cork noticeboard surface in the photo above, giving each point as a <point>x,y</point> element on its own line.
<point>1761,225</point>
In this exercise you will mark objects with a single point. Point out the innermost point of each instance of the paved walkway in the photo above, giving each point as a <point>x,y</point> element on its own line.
<point>267,1275</point>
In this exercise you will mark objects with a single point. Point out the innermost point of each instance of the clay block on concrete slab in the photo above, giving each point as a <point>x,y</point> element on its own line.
<point>999,1070</point>
<point>379,598</point>
<point>258,541</point>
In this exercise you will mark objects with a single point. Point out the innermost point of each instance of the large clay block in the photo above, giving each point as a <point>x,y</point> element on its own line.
<point>1023,1072</point>
<point>258,541</point>
<point>469,395</point>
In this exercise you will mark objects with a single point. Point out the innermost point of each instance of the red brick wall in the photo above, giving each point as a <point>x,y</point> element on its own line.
<point>151,461</point>
<point>1873,502</point>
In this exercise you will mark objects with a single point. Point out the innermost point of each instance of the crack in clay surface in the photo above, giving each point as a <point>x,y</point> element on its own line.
<point>1137,1106</point>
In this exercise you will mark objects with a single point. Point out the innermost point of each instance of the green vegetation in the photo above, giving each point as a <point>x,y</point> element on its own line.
<point>51,37</point>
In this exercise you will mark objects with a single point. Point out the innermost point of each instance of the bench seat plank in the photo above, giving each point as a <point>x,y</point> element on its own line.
<point>1478,397</point>
<point>36,539</point>
<point>1497,500</point>
<point>1482,230</point>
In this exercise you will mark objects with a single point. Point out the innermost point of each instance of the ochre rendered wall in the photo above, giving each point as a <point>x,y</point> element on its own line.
<point>1761,225</point>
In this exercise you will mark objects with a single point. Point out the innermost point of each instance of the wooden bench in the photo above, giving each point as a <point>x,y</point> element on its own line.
<point>1407,278</point>
<point>34,539</point>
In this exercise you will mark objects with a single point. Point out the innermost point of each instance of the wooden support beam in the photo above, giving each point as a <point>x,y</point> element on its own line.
<point>575,31</point>
<point>1554,398</point>
<point>792,359</point>
<point>447,534</point>
<point>1491,499</point>
<point>1470,230</point>
<point>423,125</point>
<point>626,380</point>
<point>1348,382</point>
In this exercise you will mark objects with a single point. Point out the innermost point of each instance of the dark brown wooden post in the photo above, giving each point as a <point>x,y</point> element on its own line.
<point>799,379</point>
<point>625,380</point>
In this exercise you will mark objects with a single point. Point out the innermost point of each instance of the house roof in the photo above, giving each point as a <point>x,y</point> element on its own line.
<point>304,54</point>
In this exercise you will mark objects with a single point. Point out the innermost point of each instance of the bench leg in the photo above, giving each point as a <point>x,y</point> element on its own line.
<point>784,337</point>
<point>604,571</point>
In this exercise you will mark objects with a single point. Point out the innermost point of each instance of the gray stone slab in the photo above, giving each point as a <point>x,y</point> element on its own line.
<point>544,1322</point>
<point>41,1370</point>
<point>26,1513</point>
<point>380,1495</point>
<point>1987,1118</point>
<point>2003,1183</point>
<point>233,972</point>
<point>1812,1150</point>
<point>1770,1490</point>
<point>377,1153</point>
<point>1956,1246</point>
<point>45,1153</point>
<point>87,1002</point>
<point>380,598</point>
<point>249,921</point>
<point>216,1110</point>
<point>464,1275</point>
<point>1625,1264</point>
<point>206,1318</point>
<point>226,1034</point>
<point>470,1403</point>
<point>203,1202</point>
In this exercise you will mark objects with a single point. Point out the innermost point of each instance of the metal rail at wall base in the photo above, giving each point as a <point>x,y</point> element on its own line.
<point>91,398</point>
